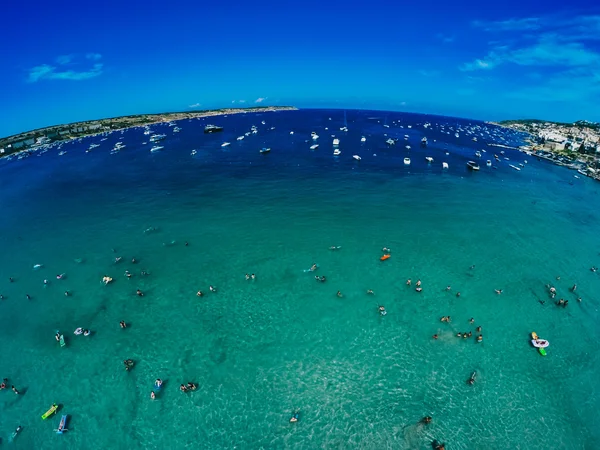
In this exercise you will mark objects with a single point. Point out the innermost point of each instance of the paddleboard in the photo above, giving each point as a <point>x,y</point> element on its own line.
<point>62,341</point>
<point>534,335</point>
<point>62,426</point>
<point>542,351</point>
<point>51,411</point>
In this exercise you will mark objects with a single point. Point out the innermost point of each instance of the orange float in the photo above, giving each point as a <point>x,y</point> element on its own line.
<point>384,257</point>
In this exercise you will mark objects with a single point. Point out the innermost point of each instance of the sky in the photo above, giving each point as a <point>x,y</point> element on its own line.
<point>64,61</point>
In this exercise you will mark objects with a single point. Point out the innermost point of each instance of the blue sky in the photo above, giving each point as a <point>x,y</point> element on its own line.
<point>64,61</point>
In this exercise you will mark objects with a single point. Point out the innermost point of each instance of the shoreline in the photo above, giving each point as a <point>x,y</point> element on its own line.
<point>57,134</point>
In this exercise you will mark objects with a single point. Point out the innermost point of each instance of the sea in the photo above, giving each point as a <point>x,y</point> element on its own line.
<point>196,215</point>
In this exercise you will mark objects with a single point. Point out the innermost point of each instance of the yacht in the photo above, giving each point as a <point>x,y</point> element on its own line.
<point>390,141</point>
<point>363,139</point>
<point>291,132</point>
<point>429,159</point>
<point>212,129</point>
<point>336,142</point>
<point>407,161</point>
<point>156,148</point>
<point>474,139</point>
<point>472,165</point>
<point>263,122</point>
<point>488,163</point>
<point>225,144</point>
<point>62,153</point>
<point>444,165</point>
<point>407,146</point>
<point>157,137</point>
<point>515,167</point>
<point>424,142</point>
<point>337,152</point>
<point>176,130</point>
<point>240,138</point>
<point>314,147</point>
<point>456,134</point>
<point>314,135</point>
<point>478,154</point>
<point>356,157</point>
<point>194,152</point>
<point>265,150</point>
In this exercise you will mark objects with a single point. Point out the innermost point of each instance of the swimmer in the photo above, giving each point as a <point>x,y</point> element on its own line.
<point>435,336</point>
<point>182,388</point>
<point>382,310</point>
<point>186,243</point>
<point>86,332</point>
<point>191,386</point>
<point>212,289</point>
<point>566,302</point>
<point>14,389</point>
<point>386,250</point>
<point>593,269</point>
<point>479,338</point>
<point>123,324</point>
<point>28,296</point>
<point>313,267</point>
<point>558,278</point>
<point>295,417</point>
<point>118,259</point>
<point>458,294</point>
<point>471,320</point>
<point>3,385</point>
<point>418,289</point>
<point>10,279</point>
<point>143,273</point>
<point>458,334</point>
<point>128,364</point>
<point>418,283</point>
<point>158,383</point>
<point>370,292</point>
<point>444,319</point>
<point>498,291</point>
<point>438,445</point>
<point>579,299</point>
<point>253,276</point>
<point>67,293</point>
<point>408,282</point>
<point>574,288</point>
<point>199,294</point>
<point>470,334</point>
<point>152,395</point>
<point>128,274</point>
<point>139,293</point>
<point>478,329</point>
<point>464,335</point>
<point>1,297</point>
<point>61,276</point>
<point>333,247</point>
<point>426,420</point>
<point>45,281</point>
<point>472,267</point>
<point>57,336</point>
<point>448,288</point>
<point>472,379</point>
<point>133,261</point>
<point>339,294</point>
<point>247,277</point>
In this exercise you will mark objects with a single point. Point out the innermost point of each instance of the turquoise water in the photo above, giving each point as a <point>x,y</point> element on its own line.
<point>259,349</point>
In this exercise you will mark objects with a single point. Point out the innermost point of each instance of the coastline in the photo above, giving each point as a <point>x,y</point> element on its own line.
<point>29,140</point>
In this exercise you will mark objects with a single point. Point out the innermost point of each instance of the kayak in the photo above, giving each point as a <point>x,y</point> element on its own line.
<point>51,411</point>
<point>384,257</point>
<point>62,426</point>
<point>15,433</point>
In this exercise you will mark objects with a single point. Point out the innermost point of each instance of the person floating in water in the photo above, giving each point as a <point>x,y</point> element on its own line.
<point>471,320</point>
<point>498,291</point>
<point>191,386</point>
<point>183,388</point>
<point>199,294</point>
<point>448,287</point>
<point>212,289</point>
<point>471,380</point>
<point>128,364</point>
<point>152,395</point>
<point>339,294</point>
<point>295,417</point>
<point>574,288</point>
<point>247,276</point>
<point>408,282</point>
<point>370,292</point>
<point>123,324</point>
<point>158,383</point>
<point>313,267</point>
<point>3,385</point>
<point>382,310</point>
<point>14,389</point>
<point>139,293</point>
<point>426,420</point>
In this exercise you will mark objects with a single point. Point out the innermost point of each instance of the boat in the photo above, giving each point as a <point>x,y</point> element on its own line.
<point>62,153</point>
<point>225,144</point>
<point>390,141</point>
<point>62,426</point>
<point>156,148</point>
<point>212,129</point>
<point>384,257</point>
<point>157,137</point>
<point>515,167</point>
<point>456,134</point>
<point>424,142</point>
<point>314,147</point>
<point>291,132</point>
<point>478,154</point>
<point>488,163</point>
<point>356,157</point>
<point>429,159</point>
<point>265,150</point>
<point>407,161</point>
<point>472,165</point>
<point>336,142</point>
<point>474,139</point>
<point>50,412</point>
<point>239,138</point>
<point>337,152</point>
<point>193,152</point>
<point>363,139</point>
<point>444,165</point>
<point>176,130</point>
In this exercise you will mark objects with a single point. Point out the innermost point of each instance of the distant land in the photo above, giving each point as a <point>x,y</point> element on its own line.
<point>47,135</point>
<point>530,122</point>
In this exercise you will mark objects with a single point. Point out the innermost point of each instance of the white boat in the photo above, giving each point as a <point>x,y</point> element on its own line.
<point>515,167</point>
<point>488,163</point>
<point>291,132</point>
<point>363,139</point>
<point>176,130</point>
<point>194,152</point>
<point>337,152</point>
<point>336,142</point>
<point>62,153</point>
<point>478,154</point>
<point>407,161</point>
<point>472,165</point>
<point>263,122</point>
<point>444,165</point>
<point>147,131</point>
<point>265,150</point>
<point>314,147</point>
<point>456,134</point>
<point>474,139</point>
<point>429,159</point>
<point>356,157</point>
<point>315,136</point>
<point>407,146</point>
<point>390,141</point>
<point>240,138</point>
<point>156,148</point>
<point>225,144</point>
<point>157,137</point>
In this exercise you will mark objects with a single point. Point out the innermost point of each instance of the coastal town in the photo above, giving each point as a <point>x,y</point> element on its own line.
<point>33,140</point>
<point>572,145</point>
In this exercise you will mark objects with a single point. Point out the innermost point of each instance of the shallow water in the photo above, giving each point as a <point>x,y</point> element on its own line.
<point>261,348</point>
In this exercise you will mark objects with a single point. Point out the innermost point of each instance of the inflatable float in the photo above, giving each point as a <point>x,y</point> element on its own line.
<point>384,257</point>
<point>51,411</point>
<point>62,426</point>
<point>538,343</point>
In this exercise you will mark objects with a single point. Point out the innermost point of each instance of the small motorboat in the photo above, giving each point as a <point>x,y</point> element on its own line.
<point>444,165</point>
<point>429,159</point>
<point>225,144</point>
<point>407,161</point>
<point>390,141</point>
<point>478,154</point>
<point>265,150</point>
<point>356,157</point>
<point>314,147</point>
<point>62,426</point>
<point>515,167</point>
<point>337,152</point>
<point>336,142</point>
<point>488,163</point>
<point>156,148</point>
<point>193,152</point>
<point>363,139</point>
<point>239,138</point>
<point>472,165</point>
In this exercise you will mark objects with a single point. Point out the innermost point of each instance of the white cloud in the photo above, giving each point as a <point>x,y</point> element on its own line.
<point>195,105</point>
<point>93,56</point>
<point>260,99</point>
<point>479,64</point>
<point>521,24</point>
<point>48,72</point>
<point>64,59</point>
<point>242,101</point>
<point>429,73</point>
<point>232,101</point>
